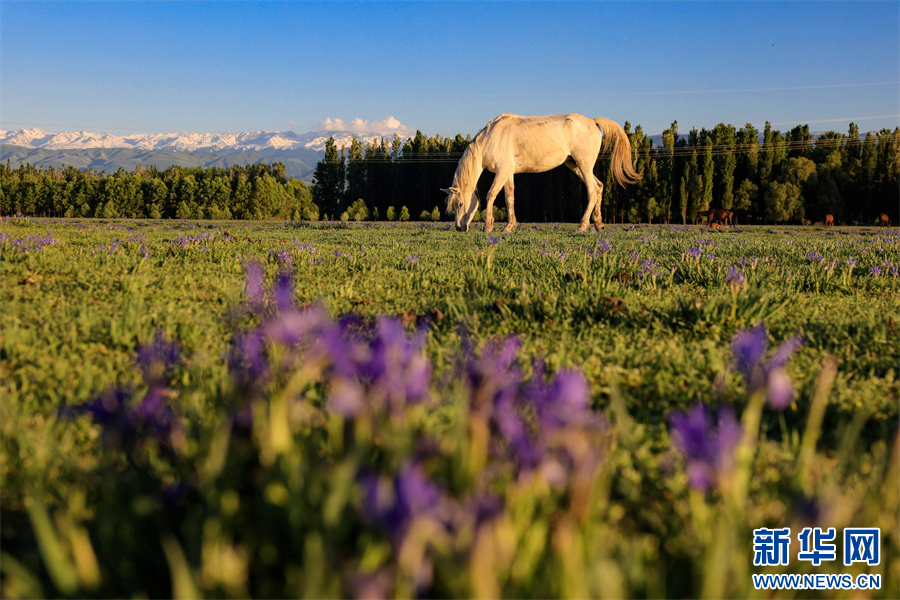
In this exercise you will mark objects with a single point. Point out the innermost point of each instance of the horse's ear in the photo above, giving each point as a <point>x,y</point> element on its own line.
<point>446,191</point>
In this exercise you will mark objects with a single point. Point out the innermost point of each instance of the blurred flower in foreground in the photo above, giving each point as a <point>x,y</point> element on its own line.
<point>542,424</point>
<point>749,347</point>
<point>708,446</point>
<point>735,278</point>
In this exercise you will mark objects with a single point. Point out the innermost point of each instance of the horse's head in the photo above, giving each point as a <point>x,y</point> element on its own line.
<point>462,207</point>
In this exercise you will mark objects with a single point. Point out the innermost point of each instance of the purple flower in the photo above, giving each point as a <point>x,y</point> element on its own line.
<point>850,262</point>
<point>492,241</point>
<point>125,423</point>
<point>253,284</point>
<point>875,271</point>
<point>412,259</point>
<point>392,504</point>
<point>735,277</point>
<point>603,246</point>
<point>283,292</point>
<point>813,255</point>
<point>282,257</point>
<point>157,359</point>
<point>708,447</point>
<point>248,360</point>
<point>397,367</point>
<point>748,348</point>
<point>649,267</point>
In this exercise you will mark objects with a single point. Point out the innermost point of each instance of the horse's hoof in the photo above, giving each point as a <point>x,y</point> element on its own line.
<point>488,228</point>
<point>583,227</point>
<point>599,226</point>
<point>510,227</point>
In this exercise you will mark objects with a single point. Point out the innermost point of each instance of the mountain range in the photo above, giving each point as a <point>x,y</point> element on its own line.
<point>107,152</point>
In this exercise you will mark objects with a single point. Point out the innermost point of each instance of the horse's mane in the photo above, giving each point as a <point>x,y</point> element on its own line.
<point>469,168</point>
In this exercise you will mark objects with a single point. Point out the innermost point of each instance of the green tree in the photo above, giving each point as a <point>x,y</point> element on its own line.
<point>707,166</point>
<point>404,213</point>
<point>745,197</point>
<point>726,162</point>
<point>358,210</point>
<point>329,180</point>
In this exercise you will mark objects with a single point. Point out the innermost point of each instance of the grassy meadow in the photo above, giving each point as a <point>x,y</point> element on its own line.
<point>270,409</point>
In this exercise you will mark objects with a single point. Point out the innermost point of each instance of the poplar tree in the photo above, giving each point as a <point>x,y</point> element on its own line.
<point>329,181</point>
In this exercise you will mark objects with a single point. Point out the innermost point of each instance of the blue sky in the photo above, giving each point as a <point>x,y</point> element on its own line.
<point>445,67</point>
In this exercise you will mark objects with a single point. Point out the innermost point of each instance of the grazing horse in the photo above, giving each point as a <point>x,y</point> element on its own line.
<point>512,144</point>
<point>701,215</point>
<point>719,216</point>
<point>884,220</point>
<point>829,220</point>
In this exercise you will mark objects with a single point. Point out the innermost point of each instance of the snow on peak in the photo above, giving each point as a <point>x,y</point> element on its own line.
<point>182,141</point>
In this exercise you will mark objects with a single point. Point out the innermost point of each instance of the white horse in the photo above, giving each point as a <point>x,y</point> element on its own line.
<point>513,144</point>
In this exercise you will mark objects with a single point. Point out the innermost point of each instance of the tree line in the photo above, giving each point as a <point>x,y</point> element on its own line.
<point>770,178</point>
<point>238,192</point>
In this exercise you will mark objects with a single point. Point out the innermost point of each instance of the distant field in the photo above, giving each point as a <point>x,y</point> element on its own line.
<point>648,315</point>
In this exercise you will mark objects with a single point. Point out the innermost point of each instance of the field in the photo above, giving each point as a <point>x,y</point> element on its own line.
<point>277,409</point>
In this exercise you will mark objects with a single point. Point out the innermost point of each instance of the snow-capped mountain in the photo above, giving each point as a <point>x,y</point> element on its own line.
<point>255,141</point>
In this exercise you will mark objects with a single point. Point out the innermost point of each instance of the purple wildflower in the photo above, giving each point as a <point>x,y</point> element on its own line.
<point>708,447</point>
<point>493,241</point>
<point>397,367</point>
<point>392,504</point>
<point>850,262</point>
<point>253,283</point>
<point>157,359</point>
<point>125,422</point>
<point>875,271</point>
<point>603,246</point>
<point>412,259</point>
<point>283,292</point>
<point>735,278</point>
<point>749,347</point>
<point>248,360</point>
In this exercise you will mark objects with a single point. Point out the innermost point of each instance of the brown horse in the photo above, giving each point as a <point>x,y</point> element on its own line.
<point>720,216</point>
<point>829,220</point>
<point>701,215</point>
<point>884,220</point>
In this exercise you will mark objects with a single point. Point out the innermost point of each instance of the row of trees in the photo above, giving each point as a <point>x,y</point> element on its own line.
<point>237,192</point>
<point>770,178</point>
<point>773,177</point>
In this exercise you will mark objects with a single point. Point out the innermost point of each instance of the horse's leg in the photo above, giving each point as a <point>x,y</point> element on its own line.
<point>508,191</point>
<point>499,180</point>
<point>598,218</point>
<point>586,173</point>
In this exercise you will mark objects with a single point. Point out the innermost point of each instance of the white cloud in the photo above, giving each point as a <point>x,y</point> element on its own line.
<point>387,126</point>
<point>290,123</point>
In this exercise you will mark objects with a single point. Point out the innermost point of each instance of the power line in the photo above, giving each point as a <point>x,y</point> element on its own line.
<point>253,92</point>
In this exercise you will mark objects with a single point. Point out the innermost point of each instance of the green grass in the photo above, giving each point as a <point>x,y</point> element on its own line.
<point>650,342</point>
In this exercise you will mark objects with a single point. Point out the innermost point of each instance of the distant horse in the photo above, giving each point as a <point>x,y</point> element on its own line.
<point>884,220</point>
<point>512,144</point>
<point>829,220</point>
<point>701,215</point>
<point>719,216</point>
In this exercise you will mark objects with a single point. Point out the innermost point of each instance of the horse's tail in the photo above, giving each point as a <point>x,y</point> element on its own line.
<point>620,156</point>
